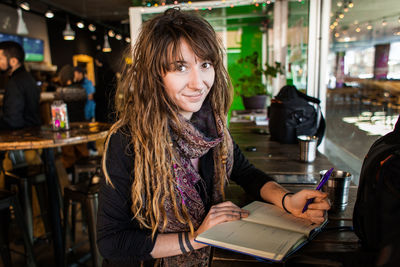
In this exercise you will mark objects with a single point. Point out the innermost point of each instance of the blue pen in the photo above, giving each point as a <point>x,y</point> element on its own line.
<point>321,183</point>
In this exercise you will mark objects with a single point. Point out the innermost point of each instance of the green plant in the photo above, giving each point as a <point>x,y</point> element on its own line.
<point>251,84</point>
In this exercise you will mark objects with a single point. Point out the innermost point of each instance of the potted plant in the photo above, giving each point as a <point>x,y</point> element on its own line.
<point>250,87</point>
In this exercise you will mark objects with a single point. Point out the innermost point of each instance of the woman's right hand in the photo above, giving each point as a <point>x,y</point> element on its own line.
<point>222,212</point>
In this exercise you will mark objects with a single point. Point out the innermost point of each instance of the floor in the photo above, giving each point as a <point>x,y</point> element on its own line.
<point>346,143</point>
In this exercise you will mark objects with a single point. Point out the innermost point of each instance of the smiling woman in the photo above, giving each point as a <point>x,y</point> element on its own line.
<point>189,81</point>
<point>169,156</point>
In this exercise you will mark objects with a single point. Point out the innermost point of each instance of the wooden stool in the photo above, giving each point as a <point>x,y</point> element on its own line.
<point>9,199</point>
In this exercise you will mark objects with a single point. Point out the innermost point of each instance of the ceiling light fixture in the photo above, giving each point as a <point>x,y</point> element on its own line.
<point>21,26</point>
<point>91,27</point>
<point>80,24</point>
<point>68,33</point>
<point>106,46</point>
<point>49,14</point>
<point>111,33</point>
<point>25,5</point>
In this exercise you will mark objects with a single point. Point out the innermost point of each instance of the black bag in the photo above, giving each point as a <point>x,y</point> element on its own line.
<point>291,115</point>
<point>376,216</point>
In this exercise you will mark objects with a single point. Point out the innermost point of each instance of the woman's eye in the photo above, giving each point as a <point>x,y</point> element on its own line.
<point>207,65</point>
<point>181,68</point>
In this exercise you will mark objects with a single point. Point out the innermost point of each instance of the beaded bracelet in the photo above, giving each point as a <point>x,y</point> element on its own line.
<point>283,201</point>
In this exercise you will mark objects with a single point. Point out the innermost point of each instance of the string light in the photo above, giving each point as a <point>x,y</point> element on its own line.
<point>369,27</point>
<point>337,34</point>
<point>80,24</point>
<point>25,6</point>
<point>339,4</point>
<point>358,29</point>
<point>91,27</point>
<point>351,4</point>
<point>384,22</point>
<point>118,36</point>
<point>49,14</point>
<point>111,33</point>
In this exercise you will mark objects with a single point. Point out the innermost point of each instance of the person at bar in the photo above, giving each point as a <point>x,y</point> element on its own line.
<point>22,96</point>
<point>169,156</point>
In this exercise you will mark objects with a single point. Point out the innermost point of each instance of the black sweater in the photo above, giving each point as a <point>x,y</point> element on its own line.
<point>21,101</point>
<point>119,238</point>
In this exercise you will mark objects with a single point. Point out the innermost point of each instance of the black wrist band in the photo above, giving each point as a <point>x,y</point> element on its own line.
<point>283,201</point>
<point>181,243</point>
<point>190,247</point>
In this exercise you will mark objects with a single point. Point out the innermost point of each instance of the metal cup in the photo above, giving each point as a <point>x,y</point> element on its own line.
<point>308,147</point>
<point>337,188</point>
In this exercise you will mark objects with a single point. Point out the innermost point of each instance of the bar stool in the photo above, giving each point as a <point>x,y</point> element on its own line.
<point>87,165</point>
<point>24,177</point>
<point>9,199</point>
<point>85,193</point>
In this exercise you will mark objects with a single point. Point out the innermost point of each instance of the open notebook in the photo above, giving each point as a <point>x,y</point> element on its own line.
<point>269,232</point>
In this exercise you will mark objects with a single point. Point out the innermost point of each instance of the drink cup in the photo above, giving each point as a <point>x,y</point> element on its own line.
<point>308,147</point>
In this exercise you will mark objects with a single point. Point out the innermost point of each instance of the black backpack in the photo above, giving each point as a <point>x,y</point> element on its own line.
<point>291,115</point>
<point>376,217</point>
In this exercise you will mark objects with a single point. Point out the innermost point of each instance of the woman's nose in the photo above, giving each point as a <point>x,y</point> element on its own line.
<point>196,80</point>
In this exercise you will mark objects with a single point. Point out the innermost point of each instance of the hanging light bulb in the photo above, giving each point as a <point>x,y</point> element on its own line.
<point>369,27</point>
<point>49,14</point>
<point>118,36</point>
<point>128,40</point>
<point>339,3</point>
<point>341,15</point>
<point>351,4</point>
<point>346,8</point>
<point>21,26</point>
<point>68,33</point>
<point>337,34</point>
<point>106,46</point>
<point>25,5</point>
<point>384,22</point>
<point>358,29</point>
<point>111,33</point>
<point>91,27</point>
<point>80,24</point>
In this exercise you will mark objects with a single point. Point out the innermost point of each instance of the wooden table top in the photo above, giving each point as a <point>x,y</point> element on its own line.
<point>45,137</point>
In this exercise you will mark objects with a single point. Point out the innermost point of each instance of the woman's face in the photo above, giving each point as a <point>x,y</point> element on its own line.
<point>189,81</point>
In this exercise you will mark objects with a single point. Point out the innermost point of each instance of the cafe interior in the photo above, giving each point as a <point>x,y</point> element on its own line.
<point>346,53</point>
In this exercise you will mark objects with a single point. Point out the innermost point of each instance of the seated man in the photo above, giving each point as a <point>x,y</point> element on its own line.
<point>22,96</point>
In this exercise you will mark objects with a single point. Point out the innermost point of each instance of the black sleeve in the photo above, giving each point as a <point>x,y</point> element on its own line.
<point>246,175</point>
<point>119,236</point>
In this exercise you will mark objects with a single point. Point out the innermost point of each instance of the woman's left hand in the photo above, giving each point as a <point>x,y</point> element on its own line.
<point>316,210</point>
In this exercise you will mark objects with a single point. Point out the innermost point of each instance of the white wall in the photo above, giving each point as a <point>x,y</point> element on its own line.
<point>36,25</point>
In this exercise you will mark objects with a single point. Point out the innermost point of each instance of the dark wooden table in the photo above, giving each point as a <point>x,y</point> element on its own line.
<point>335,245</point>
<point>47,139</point>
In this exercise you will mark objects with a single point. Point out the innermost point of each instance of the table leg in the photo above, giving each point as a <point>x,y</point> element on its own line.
<point>54,205</point>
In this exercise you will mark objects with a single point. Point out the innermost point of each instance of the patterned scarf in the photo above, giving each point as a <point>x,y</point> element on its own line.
<point>193,139</point>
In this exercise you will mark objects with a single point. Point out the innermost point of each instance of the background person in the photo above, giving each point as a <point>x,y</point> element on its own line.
<point>90,106</point>
<point>22,96</point>
<point>169,155</point>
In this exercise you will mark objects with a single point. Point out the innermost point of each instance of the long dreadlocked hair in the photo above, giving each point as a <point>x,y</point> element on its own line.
<point>144,108</point>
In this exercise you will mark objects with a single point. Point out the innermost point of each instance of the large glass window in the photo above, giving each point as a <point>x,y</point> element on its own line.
<point>359,63</point>
<point>394,61</point>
